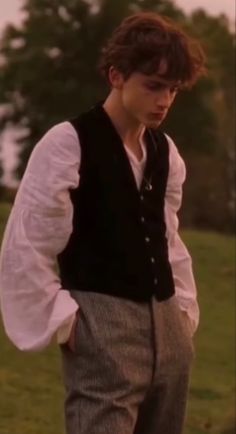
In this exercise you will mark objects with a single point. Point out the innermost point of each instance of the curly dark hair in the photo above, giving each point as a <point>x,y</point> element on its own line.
<point>143,40</point>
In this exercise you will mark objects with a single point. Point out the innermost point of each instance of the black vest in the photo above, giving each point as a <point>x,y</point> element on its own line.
<point>118,245</point>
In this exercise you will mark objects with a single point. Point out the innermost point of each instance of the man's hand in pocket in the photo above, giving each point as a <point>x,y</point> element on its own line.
<point>72,338</point>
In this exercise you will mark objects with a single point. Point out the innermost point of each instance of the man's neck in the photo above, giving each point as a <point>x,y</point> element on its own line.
<point>127,127</point>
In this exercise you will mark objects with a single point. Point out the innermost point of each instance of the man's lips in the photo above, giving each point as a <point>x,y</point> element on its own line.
<point>158,115</point>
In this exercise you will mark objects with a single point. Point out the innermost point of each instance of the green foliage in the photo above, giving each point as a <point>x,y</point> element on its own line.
<point>220,47</point>
<point>219,43</point>
<point>192,123</point>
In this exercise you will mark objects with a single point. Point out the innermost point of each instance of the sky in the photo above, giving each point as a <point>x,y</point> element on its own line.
<point>214,7</point>
<point>10,10</point>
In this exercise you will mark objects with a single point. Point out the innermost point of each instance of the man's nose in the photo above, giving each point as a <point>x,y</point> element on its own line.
<point>164,99</point>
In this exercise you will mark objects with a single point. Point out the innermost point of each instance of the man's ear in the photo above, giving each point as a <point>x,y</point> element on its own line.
<point>116,78</point>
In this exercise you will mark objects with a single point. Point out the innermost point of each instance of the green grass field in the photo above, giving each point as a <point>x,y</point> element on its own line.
<point>31,394</point>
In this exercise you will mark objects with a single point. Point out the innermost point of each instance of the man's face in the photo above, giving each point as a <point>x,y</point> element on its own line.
<point>147,98</point>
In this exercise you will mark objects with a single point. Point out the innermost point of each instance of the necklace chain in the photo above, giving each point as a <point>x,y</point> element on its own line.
<point>148,182</point>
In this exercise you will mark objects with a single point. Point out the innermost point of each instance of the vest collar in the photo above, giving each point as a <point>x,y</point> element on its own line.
<point>110,135</point>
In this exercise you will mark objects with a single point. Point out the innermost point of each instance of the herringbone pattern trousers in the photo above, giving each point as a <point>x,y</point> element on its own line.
<point>130,371</point>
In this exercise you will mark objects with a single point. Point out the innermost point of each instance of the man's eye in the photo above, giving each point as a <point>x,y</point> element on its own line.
<point>155,86</point>
<point>160,86</point>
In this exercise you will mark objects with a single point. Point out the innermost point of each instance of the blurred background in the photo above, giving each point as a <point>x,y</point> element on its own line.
<point>48,56</point>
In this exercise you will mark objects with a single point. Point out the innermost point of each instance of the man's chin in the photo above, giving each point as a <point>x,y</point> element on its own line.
<point>154,120</point>
<point>152,124</point>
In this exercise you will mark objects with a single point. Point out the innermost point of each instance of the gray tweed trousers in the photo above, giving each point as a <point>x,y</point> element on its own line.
<point>130,371</point>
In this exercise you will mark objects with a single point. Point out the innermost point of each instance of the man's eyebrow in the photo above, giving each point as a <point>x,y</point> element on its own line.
<point>160,81</point>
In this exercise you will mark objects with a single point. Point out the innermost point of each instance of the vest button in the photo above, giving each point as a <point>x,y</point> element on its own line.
<point>142,219</point>
<point>147,239</point>
<point>155,281</point>
<point>152,260</point>
<point>141,197</point>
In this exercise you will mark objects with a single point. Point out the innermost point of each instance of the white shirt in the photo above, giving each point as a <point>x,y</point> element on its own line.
<point>35,308</point>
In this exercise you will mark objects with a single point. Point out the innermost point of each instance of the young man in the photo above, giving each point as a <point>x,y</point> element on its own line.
<point>99,197</point>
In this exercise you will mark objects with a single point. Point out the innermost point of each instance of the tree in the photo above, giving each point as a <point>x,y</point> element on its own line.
<point>219,43</point>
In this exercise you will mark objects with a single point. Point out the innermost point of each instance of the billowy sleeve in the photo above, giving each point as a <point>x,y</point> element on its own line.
<point>179,257</point>
<point>35,309</point>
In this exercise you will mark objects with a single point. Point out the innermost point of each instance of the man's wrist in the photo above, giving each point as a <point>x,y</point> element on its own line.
<point>64,331</point>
